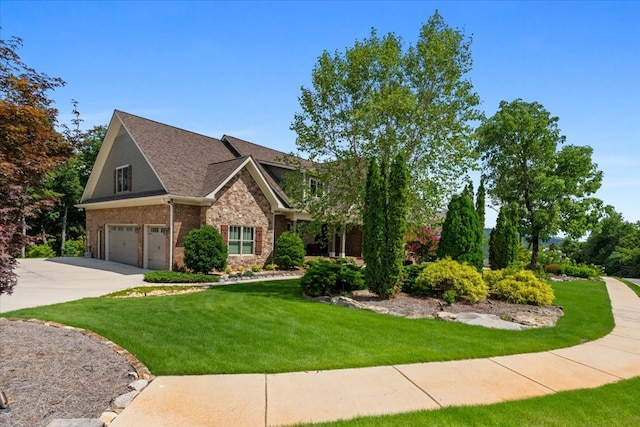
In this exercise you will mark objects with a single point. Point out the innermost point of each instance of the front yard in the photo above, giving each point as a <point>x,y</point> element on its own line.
<point>268,327</point>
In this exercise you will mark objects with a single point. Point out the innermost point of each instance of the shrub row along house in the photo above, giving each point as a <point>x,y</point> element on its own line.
<point>153,183</point>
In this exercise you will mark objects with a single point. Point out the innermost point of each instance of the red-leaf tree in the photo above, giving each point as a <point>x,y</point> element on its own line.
<point>30,147</point>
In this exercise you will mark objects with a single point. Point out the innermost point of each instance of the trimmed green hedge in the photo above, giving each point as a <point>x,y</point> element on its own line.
<point>177,277</point>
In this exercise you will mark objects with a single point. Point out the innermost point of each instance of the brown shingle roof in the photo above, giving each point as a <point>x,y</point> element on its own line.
<point>260,153</point>
<point>193,165</point>
<point>217,173</point>
<point>180,158</point>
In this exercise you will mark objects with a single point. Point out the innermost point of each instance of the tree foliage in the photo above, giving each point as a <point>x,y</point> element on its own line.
<point>614,245</point>
<point>379,98</point>
<point>384,228</point>
<point>205,250</point>
<point>61,220</point>
<point>504,242</point>
<point>461,237</point>
<point>396,220</point>
<point>30,148</point>
<point>480,202</point>
<point>373,224</point>
<point>549,188</point>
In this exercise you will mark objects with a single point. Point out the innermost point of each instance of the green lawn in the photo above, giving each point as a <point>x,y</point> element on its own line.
<point>635,288</point>
<point>268,327</point>
<point>609,405</point>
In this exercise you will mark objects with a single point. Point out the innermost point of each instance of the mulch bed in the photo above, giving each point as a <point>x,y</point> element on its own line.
<point>49,372</point>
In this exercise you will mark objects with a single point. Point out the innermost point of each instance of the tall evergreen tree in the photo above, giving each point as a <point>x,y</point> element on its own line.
<point>396,220</point>
<point>373,227</point>
<point>480,202</point>
<point>461,237</point>
<point>504,242</point>
<point>385,213</point>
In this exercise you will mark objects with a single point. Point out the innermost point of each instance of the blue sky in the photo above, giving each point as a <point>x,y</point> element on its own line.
<point>237,67</point>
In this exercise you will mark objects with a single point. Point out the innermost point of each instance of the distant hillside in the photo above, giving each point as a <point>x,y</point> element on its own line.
<point>487,231</point>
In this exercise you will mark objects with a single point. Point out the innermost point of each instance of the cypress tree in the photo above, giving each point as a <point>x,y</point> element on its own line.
<point>503,241</point>
<point>480,202</point>
<point>396,223</point>
<point>373,227</point>
<point>461,237</point>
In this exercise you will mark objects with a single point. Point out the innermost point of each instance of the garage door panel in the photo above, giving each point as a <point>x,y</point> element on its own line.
<point>123,244</point>
<point>156,248</point>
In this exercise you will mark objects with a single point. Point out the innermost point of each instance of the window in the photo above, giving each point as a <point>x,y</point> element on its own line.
<point>241,240</point>
<point>123,179</point>
<point>316,187</point>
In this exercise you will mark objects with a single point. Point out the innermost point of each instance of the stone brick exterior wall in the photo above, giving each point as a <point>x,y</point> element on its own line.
<point>242,203</point>
<point>185,219</point>
<point>98,219</point>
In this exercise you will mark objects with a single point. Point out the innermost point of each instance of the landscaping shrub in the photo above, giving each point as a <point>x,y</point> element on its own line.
<point>289,251</point>
<point>40,251</point>
<point>205,250</point>
<point>584,271</point>
<point>553,268</point>
<point>453,278</point>
<point>164,276</point>
<point>522,287</point>
<point>74,247</point>
<point>409,274</point>
<point>328,277</point>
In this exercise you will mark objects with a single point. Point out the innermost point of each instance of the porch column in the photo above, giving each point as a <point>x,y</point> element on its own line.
<point>332,246</point>
<point>343,242</point>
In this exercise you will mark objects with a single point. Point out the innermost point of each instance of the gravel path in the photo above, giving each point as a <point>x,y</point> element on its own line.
<point>49,372</point>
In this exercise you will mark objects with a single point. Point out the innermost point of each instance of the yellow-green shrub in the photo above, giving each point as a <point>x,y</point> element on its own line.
<point>451,277</point>
<point>522,287</point>
<point>491,277</point>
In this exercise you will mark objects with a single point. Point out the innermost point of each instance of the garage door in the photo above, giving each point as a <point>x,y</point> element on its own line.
<point>123,244</point>
<point>156,248</point>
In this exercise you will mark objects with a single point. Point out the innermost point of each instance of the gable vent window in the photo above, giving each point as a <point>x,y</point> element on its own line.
<point>122,179</point>
<point>241,240</point>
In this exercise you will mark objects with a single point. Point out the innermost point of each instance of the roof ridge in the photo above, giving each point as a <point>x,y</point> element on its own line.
<point>229,160</point>
<point>167,125</point>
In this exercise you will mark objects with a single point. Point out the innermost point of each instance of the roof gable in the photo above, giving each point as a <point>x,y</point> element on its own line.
<point>221,173</point>
<point>186,164</point>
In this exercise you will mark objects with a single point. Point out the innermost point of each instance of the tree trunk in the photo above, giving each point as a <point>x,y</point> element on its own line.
<point>63,234</point>
<point>535,244</point>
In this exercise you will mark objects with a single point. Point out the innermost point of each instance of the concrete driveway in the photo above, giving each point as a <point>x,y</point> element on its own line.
<point>56,280</point>
<point>636,281</point>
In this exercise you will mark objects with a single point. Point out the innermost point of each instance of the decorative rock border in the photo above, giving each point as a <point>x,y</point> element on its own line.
<point>141,375</point>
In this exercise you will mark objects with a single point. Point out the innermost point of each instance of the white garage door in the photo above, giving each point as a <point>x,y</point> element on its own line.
<point>123,244</point>
<point>156,248</point>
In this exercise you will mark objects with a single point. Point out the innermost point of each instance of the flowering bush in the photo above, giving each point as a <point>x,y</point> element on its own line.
<point>423,244</point>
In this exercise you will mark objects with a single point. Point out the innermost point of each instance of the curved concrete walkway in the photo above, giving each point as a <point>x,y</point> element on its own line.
<point>289,398</point>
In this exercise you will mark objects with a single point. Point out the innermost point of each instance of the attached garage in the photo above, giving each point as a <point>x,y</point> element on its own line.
<point>123,244</point>
<point>156,248</point>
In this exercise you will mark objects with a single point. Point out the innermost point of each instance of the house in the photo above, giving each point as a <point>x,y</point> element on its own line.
<point>153,183</point>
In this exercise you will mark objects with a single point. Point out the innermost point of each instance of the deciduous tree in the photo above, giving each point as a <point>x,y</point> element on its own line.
<point>30,147</point>
<point>379,98</point>
<point>550,189</point>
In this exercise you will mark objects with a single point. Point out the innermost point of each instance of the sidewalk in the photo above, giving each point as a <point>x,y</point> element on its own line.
<point>289,398</point>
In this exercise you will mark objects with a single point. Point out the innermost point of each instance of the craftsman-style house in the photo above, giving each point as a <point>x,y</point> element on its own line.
<point>153,183</point>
